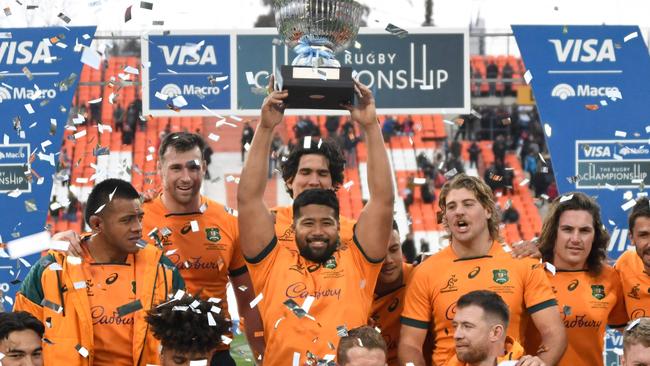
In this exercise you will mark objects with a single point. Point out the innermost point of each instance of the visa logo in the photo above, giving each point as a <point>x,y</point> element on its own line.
<point>587,50</point>
<point>189,55</point>
<point>597,151</point>
<point>22,53</point>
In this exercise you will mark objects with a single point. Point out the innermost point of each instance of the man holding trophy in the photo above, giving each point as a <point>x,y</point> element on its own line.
<point>311,291</point>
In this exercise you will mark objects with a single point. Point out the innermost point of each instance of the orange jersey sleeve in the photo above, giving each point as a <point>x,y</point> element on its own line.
<point>440,280</point>
<point>204,246</point>
<point>586,304</point>
<point>305,304</point>
<point>386,311</point>
<point>634,282</point>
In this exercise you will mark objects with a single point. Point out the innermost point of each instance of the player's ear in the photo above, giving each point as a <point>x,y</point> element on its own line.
<point>96,223</point>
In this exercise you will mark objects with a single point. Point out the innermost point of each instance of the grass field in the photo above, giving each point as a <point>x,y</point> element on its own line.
<point>240,351</point>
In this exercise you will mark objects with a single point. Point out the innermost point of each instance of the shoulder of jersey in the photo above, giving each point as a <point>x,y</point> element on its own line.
<point>626,259</point>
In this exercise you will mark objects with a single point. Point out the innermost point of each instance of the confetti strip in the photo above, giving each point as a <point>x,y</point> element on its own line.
<point>620,134</point>
<point>528,77</point>
<point>127,14</point>
<point>256,300</point>
<point>630,36</point>
<point>82,350</point>
<point>566,198</point>
<point>307,304</point>
<point>550,267</point>
<point>628,205</point>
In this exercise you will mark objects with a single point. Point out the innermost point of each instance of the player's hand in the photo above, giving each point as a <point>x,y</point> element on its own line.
<point>273,106</point>
<point>529,360</point>
<point>526,249</point>
<point>364,113</point>
<point>73,238</point>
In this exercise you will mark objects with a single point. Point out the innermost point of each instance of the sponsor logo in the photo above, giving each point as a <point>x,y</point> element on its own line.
<point>171,90</point>
<point>584,50</point>
<point>26,93</point>
<point>189,54</point>
<point>634,292</point>
<point>212,234</point>
<point>25,52</point>
<point>4,94</point>
<point>112,278</point>
<point>626,150</point>
<point>581,321</point>
<point>474,272</point>
<point>573,285</point>
<point>451,285</point>
<point>100,317</point>
<point>500,276</point>
<point>565,91</point>
<point>637,313</point>
<point>299,290</point>
<point>597,151</point>
<point>451,311</point>
<point>598,291</point>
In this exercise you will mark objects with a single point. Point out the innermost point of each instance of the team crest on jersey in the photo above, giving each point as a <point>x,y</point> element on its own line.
<point>330,263</point>
<point>500,276</point>
<point>212,234</point>
<point>598,291</point>
<point>634,292</point>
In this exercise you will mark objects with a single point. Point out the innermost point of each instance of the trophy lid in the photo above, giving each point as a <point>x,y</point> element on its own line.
<point>331,23</point>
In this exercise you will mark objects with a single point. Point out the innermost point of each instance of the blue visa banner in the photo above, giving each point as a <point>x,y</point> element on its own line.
<point>186,74</point>
<point>39,71</point>
<point>591,87</point>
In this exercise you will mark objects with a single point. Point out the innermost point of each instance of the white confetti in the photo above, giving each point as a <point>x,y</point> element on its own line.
<point>617,157</point>
<point>630,36</point>
<point>250,78</point>
<point>256,300</point>
<point>566,198</point>
<point>628,205</point>
<point>620,134</point>
<point>550,267</point>
<point>308,302</point>
<point>603,103</point>
<point>73,260</point>
<point>15,193</point>
<point>524,182</point>
<point>610,187</point>
<point>195,225</point>
<point>98,100</point>
<point>29,108</point>
<point>611,222</point>
<point>162,96</point>
<point>296,359</point>
<point>79,284</point>
<point>306,144</point>
<point>131,70</point>
<point>419,181</point>
<point>199,363</point>
<point>348,184</point>
<point>214,137</point>
<point>79,134</point>
<point>528,77</point>
<point>226,340</point>
<point>28,245</point>
<point>628,195</point>
<point>647,129</point>
<point>179,101</point>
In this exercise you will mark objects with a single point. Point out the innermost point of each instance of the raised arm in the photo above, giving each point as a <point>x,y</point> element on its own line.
<point>256,225</point>
<point>374,225</point>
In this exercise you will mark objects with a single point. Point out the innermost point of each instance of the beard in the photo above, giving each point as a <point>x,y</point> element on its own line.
<point>472,355</point>
<point>310,254</point>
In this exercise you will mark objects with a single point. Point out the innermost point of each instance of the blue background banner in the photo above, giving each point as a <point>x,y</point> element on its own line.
<point>39,71</point>
<point>196,66</point>
<point>592,91</point>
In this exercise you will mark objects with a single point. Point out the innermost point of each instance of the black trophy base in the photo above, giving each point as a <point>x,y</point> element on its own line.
<point>321,88</point>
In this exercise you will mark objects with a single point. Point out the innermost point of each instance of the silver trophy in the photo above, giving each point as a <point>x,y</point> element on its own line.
<point>317,30</point>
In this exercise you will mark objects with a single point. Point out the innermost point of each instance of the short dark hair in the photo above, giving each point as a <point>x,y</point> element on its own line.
<point>325,147</point>
<point>181,142</point>
<point>640,209</point>
<point>363,336</point>
<point>100,195</point>
<point>395,227</point>
<point>578,202</point>
<point>17,321</point>
<point>187,329</point>
<point>316,196</point>
<point>491,303</point>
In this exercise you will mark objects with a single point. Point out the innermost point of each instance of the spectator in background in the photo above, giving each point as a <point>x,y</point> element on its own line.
<point>305,127</point>
<point>132,116</point>
<point>474,150</point>
<point>424,246</point>
<point>407,194</point>
<point>408,248</point>
<point>478,80</point>
<point>276,149</point>
<point>492,72</point>
<point>408,126</point>
<point>20,339</point>
<point>507,73</point>
<point>207,156</point>
<point>388,129</point>
<point>73,207</point>
<point>95,112</point>
<point>332,126</point>
<point>118,117</point>
<point>127,134</point>
<point>246,139</point>
<point>499,148</point>
<point>510,214</point>
<point>350,141</point>
<point>426,192</point>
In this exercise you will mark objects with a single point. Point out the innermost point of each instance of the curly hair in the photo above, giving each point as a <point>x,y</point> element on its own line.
<point>637,334</point>
<point>182,325</point>
<point>579,202</point>
<point>483,194</point>
<point>328,148</point>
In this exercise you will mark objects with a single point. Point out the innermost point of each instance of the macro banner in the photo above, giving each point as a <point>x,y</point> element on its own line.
<point>39,71</point>
<point>592,92</point>
<point>420,72</point>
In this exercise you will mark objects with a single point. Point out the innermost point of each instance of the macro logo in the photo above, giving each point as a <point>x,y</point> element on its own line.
<point>4,94</point>
<point>563,91</point>
<point>171,90</point>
